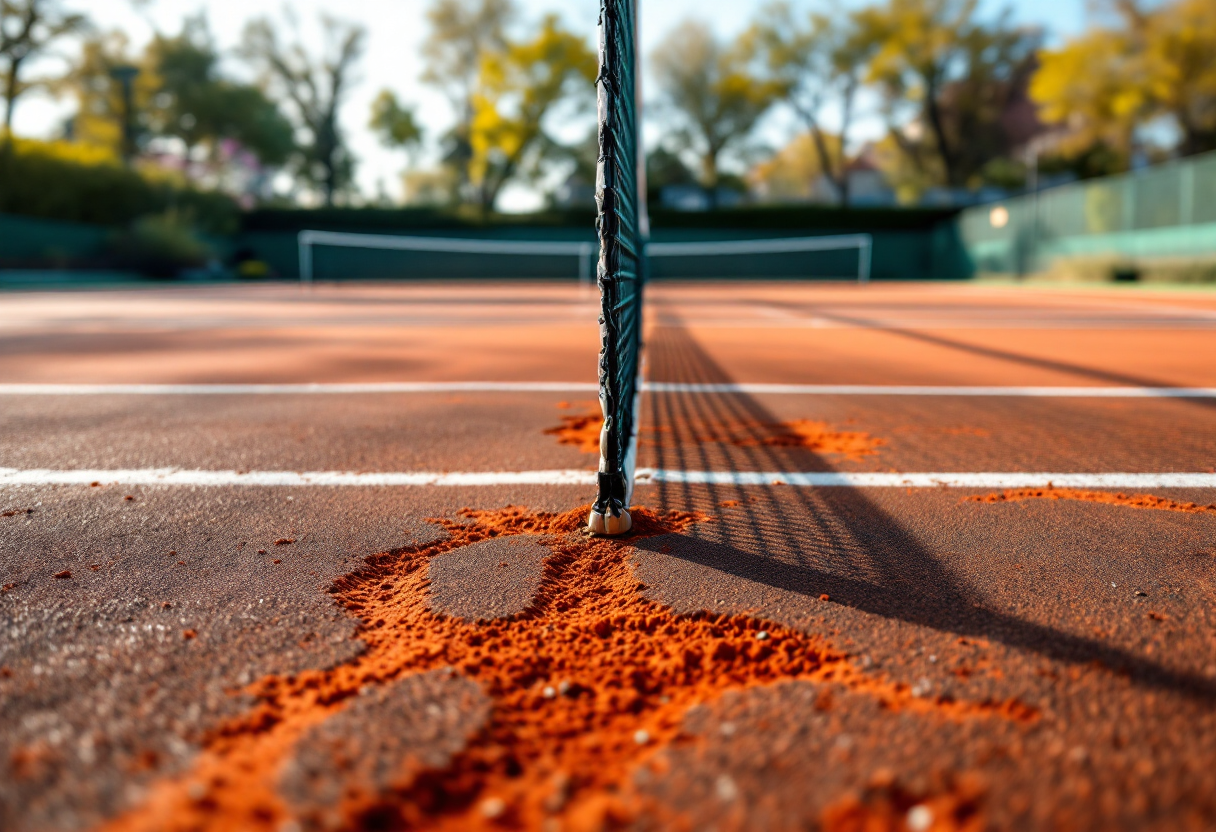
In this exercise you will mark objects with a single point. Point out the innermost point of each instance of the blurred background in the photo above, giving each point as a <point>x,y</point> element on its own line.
<point>1052,140</point>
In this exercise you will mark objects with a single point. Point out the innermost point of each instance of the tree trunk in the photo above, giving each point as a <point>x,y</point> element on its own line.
<point>487,196</point>
<point>331,185</point>
<point>10,93</point>
<point>327,156</point>
<point>846,120</point>
<point>494,184</point>
<point>944,150</point>
<point>328,147</point>
<point>1195,139</point>
<point>828,166</point>
<point>709,174</point>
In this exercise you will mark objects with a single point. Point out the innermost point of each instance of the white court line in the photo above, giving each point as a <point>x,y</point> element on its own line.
<point>1125,325</point>
<point>937,390</point>
<point>296,389</point>
<point>828,479</point>
<point>819,479</point>
<point>584,387</point>
<point>180,476</point>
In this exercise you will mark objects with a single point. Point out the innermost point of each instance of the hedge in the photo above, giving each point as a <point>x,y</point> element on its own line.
<point>78,183</point>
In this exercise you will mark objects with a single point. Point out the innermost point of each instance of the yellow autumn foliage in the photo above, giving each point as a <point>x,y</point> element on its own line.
<point>1155,62</point>
<point>518,86</point>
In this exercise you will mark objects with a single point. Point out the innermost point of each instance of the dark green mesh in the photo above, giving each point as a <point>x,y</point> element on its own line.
<point>622,259</point>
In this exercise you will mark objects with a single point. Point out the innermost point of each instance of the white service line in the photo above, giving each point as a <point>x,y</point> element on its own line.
<point>818,479</point>
<point>830,479</point>
<point>296,389</point>
<point>586,387</point>
<point>937,390</point>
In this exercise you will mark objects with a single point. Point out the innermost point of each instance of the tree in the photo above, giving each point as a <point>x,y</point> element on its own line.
<point>100,108</point>
<point>959,76</point>
<point>463,33</point>
<point>795,172</point>
<point>179,93</point>
<point>1180,52</point>
<point>193,102</point>
<point>818,62</point>
<point>393,123</point>
<point>665,168</point>
<point>517,89</point>
<point>395,126</point>
<point>28,28</point>
<point>1152,62</point>
<point>316,88</point>
<point>714,93</point>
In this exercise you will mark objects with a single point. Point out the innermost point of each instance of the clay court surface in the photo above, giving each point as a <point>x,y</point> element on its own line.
<point>283,558</point>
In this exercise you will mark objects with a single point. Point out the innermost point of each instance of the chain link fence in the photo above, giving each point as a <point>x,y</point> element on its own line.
<point>1158,215</point>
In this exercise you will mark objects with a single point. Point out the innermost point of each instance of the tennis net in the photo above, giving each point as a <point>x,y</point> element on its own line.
<point>821,257</point>
<point>622,225</point>
<point>342,255</point>
<point>331,255</point>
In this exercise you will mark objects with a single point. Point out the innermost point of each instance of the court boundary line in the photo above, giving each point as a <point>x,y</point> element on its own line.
<point>645,476</point>
<point>1071,392</point>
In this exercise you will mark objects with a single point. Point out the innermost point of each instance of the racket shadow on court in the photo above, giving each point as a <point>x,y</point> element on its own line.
<point>828,541</point>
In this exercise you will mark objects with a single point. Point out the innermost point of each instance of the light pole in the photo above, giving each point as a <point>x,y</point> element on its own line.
<point>125,75</point>
<point>1033,150</point>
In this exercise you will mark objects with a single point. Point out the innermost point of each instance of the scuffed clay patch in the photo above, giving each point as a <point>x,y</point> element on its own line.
<point>495,578</point>
<point>381,741</point>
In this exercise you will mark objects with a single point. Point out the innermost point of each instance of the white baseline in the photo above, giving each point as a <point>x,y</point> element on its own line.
<point>645,476</point>
<point>586,387</point>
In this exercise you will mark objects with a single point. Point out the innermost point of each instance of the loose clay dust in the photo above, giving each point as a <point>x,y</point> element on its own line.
<point>583,432</point>
<point>585,684</point>
<point>1147,501</point>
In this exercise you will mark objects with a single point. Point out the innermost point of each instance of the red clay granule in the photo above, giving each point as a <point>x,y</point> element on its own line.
<point>1146,501</point>
<point>819,437</point>
<point>583,432</point>
<point>888,808</point>
<point>575,680</point>
<point>580,430</point>
<point>814,436</point>
<point>32,762</point>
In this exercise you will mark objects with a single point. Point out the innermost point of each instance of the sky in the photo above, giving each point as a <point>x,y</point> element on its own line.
<point>396,30</point>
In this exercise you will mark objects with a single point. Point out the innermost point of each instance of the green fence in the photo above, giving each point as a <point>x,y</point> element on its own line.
<point>908,244</point>
<point>31,242</point>
<point>1163,212</point>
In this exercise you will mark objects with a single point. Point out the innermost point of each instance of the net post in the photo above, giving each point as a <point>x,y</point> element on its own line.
<point>621,264</point>
<point>304,241</point>
<point>865,255</point>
